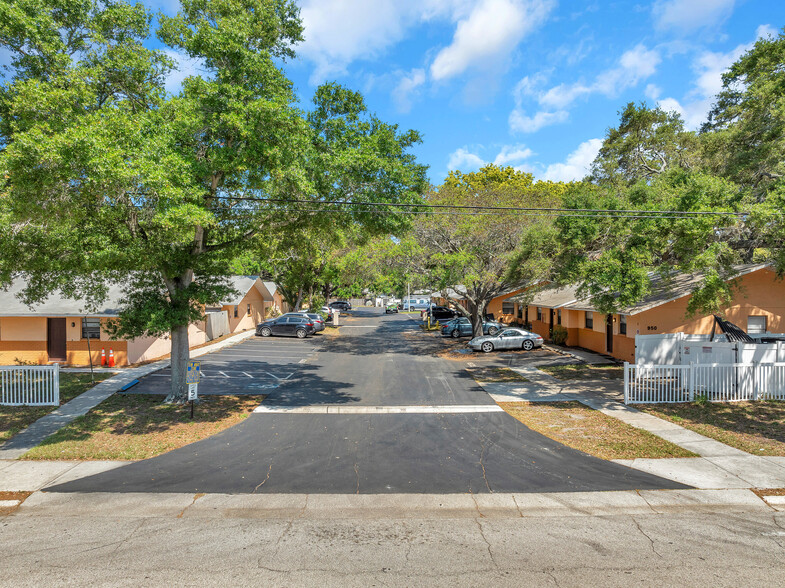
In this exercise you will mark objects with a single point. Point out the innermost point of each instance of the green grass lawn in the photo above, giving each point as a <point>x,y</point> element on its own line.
<point>139,426</point>
<point>15,418</point>
<point>754,427</point>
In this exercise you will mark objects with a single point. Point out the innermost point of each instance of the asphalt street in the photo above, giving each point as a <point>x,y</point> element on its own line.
<point>374,362</point>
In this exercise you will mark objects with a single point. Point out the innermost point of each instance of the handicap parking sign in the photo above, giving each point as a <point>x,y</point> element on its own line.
<point>192,372</point>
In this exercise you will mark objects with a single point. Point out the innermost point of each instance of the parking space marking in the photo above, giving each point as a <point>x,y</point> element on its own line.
<point>418,409</point>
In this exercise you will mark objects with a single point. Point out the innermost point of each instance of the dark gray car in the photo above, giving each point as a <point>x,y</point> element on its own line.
<point>287,325</point>
<point>462,327</point>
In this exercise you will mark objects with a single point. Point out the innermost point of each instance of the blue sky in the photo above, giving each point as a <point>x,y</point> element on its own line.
<point>529,83</point>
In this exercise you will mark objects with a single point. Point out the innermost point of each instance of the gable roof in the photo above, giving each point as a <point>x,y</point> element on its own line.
<point>56,305</point>
<point>663,291</point>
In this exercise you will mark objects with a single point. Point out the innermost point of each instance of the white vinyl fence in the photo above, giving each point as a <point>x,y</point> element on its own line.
<point>30,385</point>
<point>716,382</point>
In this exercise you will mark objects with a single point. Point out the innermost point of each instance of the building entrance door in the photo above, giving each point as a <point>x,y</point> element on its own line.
<point>55,339</point>
<point>609,333</point>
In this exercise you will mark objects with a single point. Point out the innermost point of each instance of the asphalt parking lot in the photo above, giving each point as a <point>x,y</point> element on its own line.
<point>256,366</point>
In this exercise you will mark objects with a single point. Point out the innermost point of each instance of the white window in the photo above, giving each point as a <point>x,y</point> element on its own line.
<point>756,324</point>
<point>622,324</point>
<point>589,319</point>
<point>508,307</point>
<point>539,313</point>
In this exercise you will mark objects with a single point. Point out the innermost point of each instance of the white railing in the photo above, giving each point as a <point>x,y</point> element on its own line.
<point>716,382</point>
<point>30,385</point>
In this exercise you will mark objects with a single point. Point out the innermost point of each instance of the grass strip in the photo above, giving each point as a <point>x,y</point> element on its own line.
<point>140,426</point>
<point>754,427</point>
<point>590,431</point>
<point>496,374</point>
<point>582,371</point>
<point>16,418</point>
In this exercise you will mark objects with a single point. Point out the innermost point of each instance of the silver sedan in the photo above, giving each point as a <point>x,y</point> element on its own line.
<point>506,339</point>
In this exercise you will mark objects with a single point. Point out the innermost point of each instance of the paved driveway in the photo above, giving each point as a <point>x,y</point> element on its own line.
<point>453,440</point>
<point>255,366</point>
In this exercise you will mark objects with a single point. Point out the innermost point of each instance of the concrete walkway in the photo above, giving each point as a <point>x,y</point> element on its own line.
<point>719,465</point>
<point>25,440</point>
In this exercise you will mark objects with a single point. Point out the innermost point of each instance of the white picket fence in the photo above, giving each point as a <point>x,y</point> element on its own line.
<point>30,385</point>
<point>717,382</point>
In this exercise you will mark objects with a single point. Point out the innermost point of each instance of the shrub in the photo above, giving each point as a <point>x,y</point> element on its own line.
<point>559,335</point>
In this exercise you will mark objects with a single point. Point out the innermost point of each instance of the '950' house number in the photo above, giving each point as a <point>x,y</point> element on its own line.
<point>651,328</point>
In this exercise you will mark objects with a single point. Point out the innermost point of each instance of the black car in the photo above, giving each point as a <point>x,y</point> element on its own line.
<point>341,305</point>
<point>287,325</point>
<point>442,313</point>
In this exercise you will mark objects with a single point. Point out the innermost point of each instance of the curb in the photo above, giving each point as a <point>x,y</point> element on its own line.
<point>383,506</point>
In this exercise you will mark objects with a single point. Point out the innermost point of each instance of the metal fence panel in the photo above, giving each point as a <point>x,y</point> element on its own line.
<point>30,385</point>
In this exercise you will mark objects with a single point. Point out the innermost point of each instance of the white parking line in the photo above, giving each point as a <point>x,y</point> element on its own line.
<point>443,409</point>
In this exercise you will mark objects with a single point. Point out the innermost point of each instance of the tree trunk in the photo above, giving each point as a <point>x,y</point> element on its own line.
<point>478,314</point>
<point>299,301</point>
<point>179,358</point>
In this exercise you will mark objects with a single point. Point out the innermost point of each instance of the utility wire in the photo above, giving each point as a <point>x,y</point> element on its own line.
<point>675,213</point>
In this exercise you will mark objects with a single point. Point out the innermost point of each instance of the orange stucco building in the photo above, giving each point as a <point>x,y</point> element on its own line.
<point>758,305</point>
<point>59,330</point>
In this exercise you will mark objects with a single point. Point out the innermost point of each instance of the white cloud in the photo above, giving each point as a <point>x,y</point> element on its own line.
<point>512,154</point>
<point>184,67</point>
<point>489,32</point>
<point>466,161</point>
<point>709,67</point>
<point>462,159</point>
<point>402,94</point>
<point>530,124</point>
<point>634,66</point>
<point>577,165</point>
<point>689,15</point>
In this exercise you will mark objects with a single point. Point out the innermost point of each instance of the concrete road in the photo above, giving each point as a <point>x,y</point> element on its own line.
<point>374,363</point>
<point>390,548</point>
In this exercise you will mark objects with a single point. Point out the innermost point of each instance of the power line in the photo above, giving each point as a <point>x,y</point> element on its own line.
<point>542,211</point>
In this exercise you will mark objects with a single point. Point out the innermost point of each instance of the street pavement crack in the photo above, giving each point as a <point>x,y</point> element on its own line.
<point>517,506</point>
<point>487,543</point>
<point>196,497</point>
<point>482,465</point>
<point>357,473</point>
<point>267,477</point>
<point>642,532</point>
<point>552,577</point>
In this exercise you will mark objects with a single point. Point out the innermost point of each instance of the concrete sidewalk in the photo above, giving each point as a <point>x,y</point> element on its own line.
<point>32,476</point>
<point>719,465</point>
<point>25,440</point>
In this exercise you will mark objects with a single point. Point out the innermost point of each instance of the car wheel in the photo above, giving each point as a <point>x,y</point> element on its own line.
<point>266,332</point>
<point>455,334</point>
<point>487,347</point>
<point>493,331</point>
<point>302,333</point>
<point>528,345</point>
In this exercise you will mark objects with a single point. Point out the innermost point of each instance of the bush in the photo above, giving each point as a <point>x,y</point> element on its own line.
<point>559,335</point>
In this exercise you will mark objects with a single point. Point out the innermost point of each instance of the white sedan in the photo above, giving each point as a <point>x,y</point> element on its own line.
<point>506,339</point>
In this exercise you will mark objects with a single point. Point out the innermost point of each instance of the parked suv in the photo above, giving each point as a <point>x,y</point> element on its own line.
<point>441,313</point>
<point>462,327</point>
<point>291,325</point>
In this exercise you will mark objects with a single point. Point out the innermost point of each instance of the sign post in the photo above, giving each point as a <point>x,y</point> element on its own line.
<point>192,375</point>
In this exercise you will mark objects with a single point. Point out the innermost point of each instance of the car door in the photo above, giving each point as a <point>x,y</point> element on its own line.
<point>282,326</point>
<point>508,338</point>
<point>466,326</point>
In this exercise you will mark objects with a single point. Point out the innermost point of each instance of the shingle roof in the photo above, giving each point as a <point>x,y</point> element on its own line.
<point>662,291</point>
<point>549,297</point>
<point>55,305</point>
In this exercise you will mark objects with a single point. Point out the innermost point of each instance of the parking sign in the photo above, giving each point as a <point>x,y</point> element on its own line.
<point>192,372</point>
